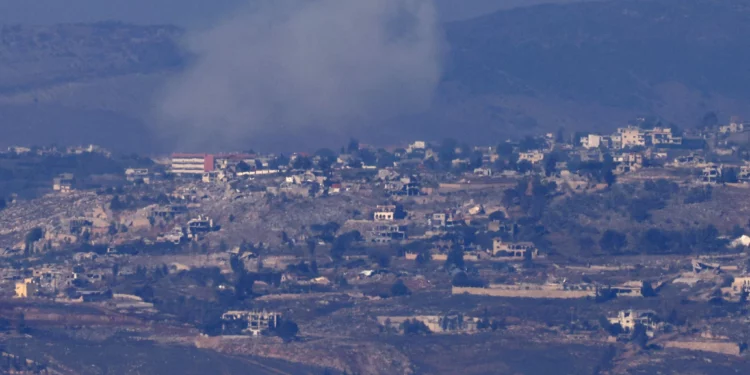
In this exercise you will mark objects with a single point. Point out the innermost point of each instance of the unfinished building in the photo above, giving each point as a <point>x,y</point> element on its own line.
<point>451,323</point>
<point>254,322</point>
<point>199,226</point>
<point>515,250</point>
<point>629,319</point>
<point>384,234</point>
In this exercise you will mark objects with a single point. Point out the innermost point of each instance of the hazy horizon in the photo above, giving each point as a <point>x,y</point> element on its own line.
<point>195,13</point>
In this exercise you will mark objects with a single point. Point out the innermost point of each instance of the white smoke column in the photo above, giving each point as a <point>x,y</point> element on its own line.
<point>308,67</point>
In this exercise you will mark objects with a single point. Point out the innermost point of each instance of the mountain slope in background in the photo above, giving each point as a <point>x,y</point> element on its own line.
<point>590,65</point>
<point>83,83</point>
<point>611,52</point>
<point>596,64</point>
<point>38,56</point>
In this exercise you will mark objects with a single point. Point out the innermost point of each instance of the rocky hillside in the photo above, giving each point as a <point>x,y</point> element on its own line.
<point>37,57</point>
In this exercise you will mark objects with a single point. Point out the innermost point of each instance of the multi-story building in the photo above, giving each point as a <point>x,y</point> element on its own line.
<point>417,145</point>
<point>629,162</point>
<point>383,234</point>
<point>384,213</point>
<point>198,226</point>
<point>591,141</point>
<point>134,174</point>
<point>711,174</point>
<point>513,249</point>
<point>437,220</point>
<point>662,136</point>
<point>63,182</point>
<point>225,161</point>
<point>628,319</point>
<point>631,137</point>
<point>27,287</point>
<point>254,322</point>
<point>192,164</point>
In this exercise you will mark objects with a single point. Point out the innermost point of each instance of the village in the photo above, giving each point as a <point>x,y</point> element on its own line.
<point>636,241</point>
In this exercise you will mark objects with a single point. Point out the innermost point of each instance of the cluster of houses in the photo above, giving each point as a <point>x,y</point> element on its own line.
<point>409,174</point>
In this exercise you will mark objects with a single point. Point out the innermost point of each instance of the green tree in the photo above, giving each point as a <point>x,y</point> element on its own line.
<point>729,175</point>
<point>497,215</point>
<point>647,290</point>
<point>326,158</point>
<point>386,159</point>
<point>423,258</point>
<point>243,167</point>
<point>613,241</point>
<point>415,327</point>
<point>640,336</point>
<point>302,162</point>
<point>353,146</point>
<point>236,264</point>
<point>455,258</point>
<point>709,120</point>
<point>550,164</point>
<point>505,150</point>
<point>287,330</point>
<point>524,166</point>
<point>399,289</point>
<point>530,143</point>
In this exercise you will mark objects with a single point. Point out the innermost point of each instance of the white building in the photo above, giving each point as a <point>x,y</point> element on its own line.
<point>591,141</point>
<point>532,157</point>
<point>417,145</point>
<point>132,174</point>
<point>663,136</point>
<point>628,319</point>
<point>384,213</point>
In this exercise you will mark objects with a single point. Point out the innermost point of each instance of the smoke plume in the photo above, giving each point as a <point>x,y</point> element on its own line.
<point>310,68</point>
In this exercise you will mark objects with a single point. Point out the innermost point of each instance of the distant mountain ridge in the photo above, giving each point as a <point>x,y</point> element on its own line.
<point>589,65</point>
<point>594,65</point>
<point>614,52</point>
<point>38,56</point>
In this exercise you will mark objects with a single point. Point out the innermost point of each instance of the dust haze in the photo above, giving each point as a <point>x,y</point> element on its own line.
<point>304,69</point>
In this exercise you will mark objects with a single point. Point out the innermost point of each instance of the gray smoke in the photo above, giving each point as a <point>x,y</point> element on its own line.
<point>307,67</point>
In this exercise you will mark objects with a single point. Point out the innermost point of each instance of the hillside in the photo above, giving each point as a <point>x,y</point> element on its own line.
<point>587,65</point>
<point>40,56</point>
<point>82,83</point>
<point>674,58</point>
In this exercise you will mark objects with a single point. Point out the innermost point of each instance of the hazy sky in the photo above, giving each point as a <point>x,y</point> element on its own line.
<point>190,13</point>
